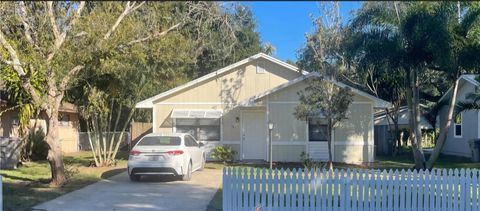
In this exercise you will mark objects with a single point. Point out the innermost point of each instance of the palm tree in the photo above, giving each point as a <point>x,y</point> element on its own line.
<point>414,38</point>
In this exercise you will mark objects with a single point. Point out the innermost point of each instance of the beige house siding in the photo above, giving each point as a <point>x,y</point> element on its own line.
<point>236,85</point>
<point>7,129</point>
<point>222,92</point>
<point>68,133</point>
<point>358,127</point>
<point>353,134</point>
<point>287,153</point>
<point>353,153</point>
<point>289,129</point>
<point>353,138</point>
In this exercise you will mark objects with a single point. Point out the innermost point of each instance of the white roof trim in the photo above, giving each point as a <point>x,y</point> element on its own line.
<point>196,113</point>
<point>379,103</point>
<point>148,103</point>
<point>467,78</point>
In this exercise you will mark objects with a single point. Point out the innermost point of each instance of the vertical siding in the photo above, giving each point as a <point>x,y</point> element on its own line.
<point>353,137</point>
<point>6,127</point>
<point>235,86</point>
<point>230,126</point>
<point>287,153</point>
<point>358,127</point>
<point>287,126</point>
<point>353,153</point>
<point>222,92</point>
<point>68,134</point>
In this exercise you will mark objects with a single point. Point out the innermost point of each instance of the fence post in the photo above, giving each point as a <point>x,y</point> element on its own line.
<point>1,192</point>
<point>224,189</point>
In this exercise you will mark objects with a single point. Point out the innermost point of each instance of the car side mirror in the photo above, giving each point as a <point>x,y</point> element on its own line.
<point>201,144</point>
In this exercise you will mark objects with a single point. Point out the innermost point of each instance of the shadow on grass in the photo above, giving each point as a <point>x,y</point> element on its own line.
<point>113,172</point>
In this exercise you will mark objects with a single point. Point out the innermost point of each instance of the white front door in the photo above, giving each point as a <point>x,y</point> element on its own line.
<point>254,135</point>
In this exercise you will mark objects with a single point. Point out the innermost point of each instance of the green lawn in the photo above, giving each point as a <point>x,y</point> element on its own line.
<point>28,185</point>
<point>404,161</point>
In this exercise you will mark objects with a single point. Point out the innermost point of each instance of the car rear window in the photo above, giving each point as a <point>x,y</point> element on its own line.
<point>159,141</point>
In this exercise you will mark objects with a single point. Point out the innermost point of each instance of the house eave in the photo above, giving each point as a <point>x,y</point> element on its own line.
<point>148,103</point>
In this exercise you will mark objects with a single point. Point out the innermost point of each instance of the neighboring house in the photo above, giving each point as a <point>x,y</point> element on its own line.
<point>384,124</point>
<point>466,125</point>
<point>233,106</point>
<point>68,120</point>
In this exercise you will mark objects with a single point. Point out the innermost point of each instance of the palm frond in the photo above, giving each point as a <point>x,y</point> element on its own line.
<point>466,106</point>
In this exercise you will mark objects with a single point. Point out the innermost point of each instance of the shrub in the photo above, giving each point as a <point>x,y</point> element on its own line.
<point>308,162</point>
<point>70,168</point>
<point>35,147</point>
<point>224,154</point>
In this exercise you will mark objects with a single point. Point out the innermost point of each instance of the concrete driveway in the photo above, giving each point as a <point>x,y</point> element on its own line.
<point>152,193</point>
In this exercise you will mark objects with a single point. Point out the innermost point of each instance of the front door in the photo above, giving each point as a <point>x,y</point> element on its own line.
<point>254,135</point>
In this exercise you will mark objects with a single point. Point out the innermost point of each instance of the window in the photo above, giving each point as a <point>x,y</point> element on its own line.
<point>15,121</point>
<point>200,129</point>
<point>458,126</point>
<point>317,130</point>
<point>63,119</point>
<point>159,141</point>
<point>190,142</point>
<point>261,67</point>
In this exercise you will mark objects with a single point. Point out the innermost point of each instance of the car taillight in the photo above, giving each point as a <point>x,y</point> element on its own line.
<point>175,152</point>
<point>135,152</point>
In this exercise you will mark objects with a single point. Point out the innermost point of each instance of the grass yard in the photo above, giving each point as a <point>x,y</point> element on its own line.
<point>404,161</point>
<point>28,186</point>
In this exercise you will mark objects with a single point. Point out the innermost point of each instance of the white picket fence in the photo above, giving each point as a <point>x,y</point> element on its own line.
<point>351,189</point>
<point>1,192</point>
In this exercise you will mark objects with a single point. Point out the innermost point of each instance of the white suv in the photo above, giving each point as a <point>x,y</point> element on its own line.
<point>177,154</point>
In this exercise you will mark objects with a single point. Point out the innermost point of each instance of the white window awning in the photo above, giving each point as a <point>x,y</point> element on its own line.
<point>196,114</point>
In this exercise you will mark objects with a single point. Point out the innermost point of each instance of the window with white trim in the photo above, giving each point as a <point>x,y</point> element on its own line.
<point>261,67</point>
<point>202,129</point>
<point>458,126</point>
<point>63,119</point>
<point>317,130</point>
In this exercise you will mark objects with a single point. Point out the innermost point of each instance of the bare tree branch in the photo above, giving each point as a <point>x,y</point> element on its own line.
<point>28,29</point>
<point>155,35</point>
<point>67,77</point>
<point>19,69</point>
<point>61,38</point>
<point>53,22</point>
<point>128,9</point>
<point>136,7</point>
<point>8,62</point>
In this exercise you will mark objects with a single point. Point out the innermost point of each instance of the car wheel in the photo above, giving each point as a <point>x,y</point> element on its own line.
<point>134,178</point>
<point>188,175</point>
<point>203,163</point>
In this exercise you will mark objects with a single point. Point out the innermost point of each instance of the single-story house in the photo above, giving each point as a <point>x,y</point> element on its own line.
<point>384,124</point>
<point>234,105</point>
<point>466,125</point>
<point>68,120</point>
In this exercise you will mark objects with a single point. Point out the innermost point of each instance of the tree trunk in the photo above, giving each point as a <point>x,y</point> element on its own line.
<point>330,159</point>
<point>442,137</point>
<point>415,133</point>
<point>397,137</point>
<point>55,157</point>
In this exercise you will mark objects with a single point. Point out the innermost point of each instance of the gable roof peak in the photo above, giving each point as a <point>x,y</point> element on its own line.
<point>148,103</point>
